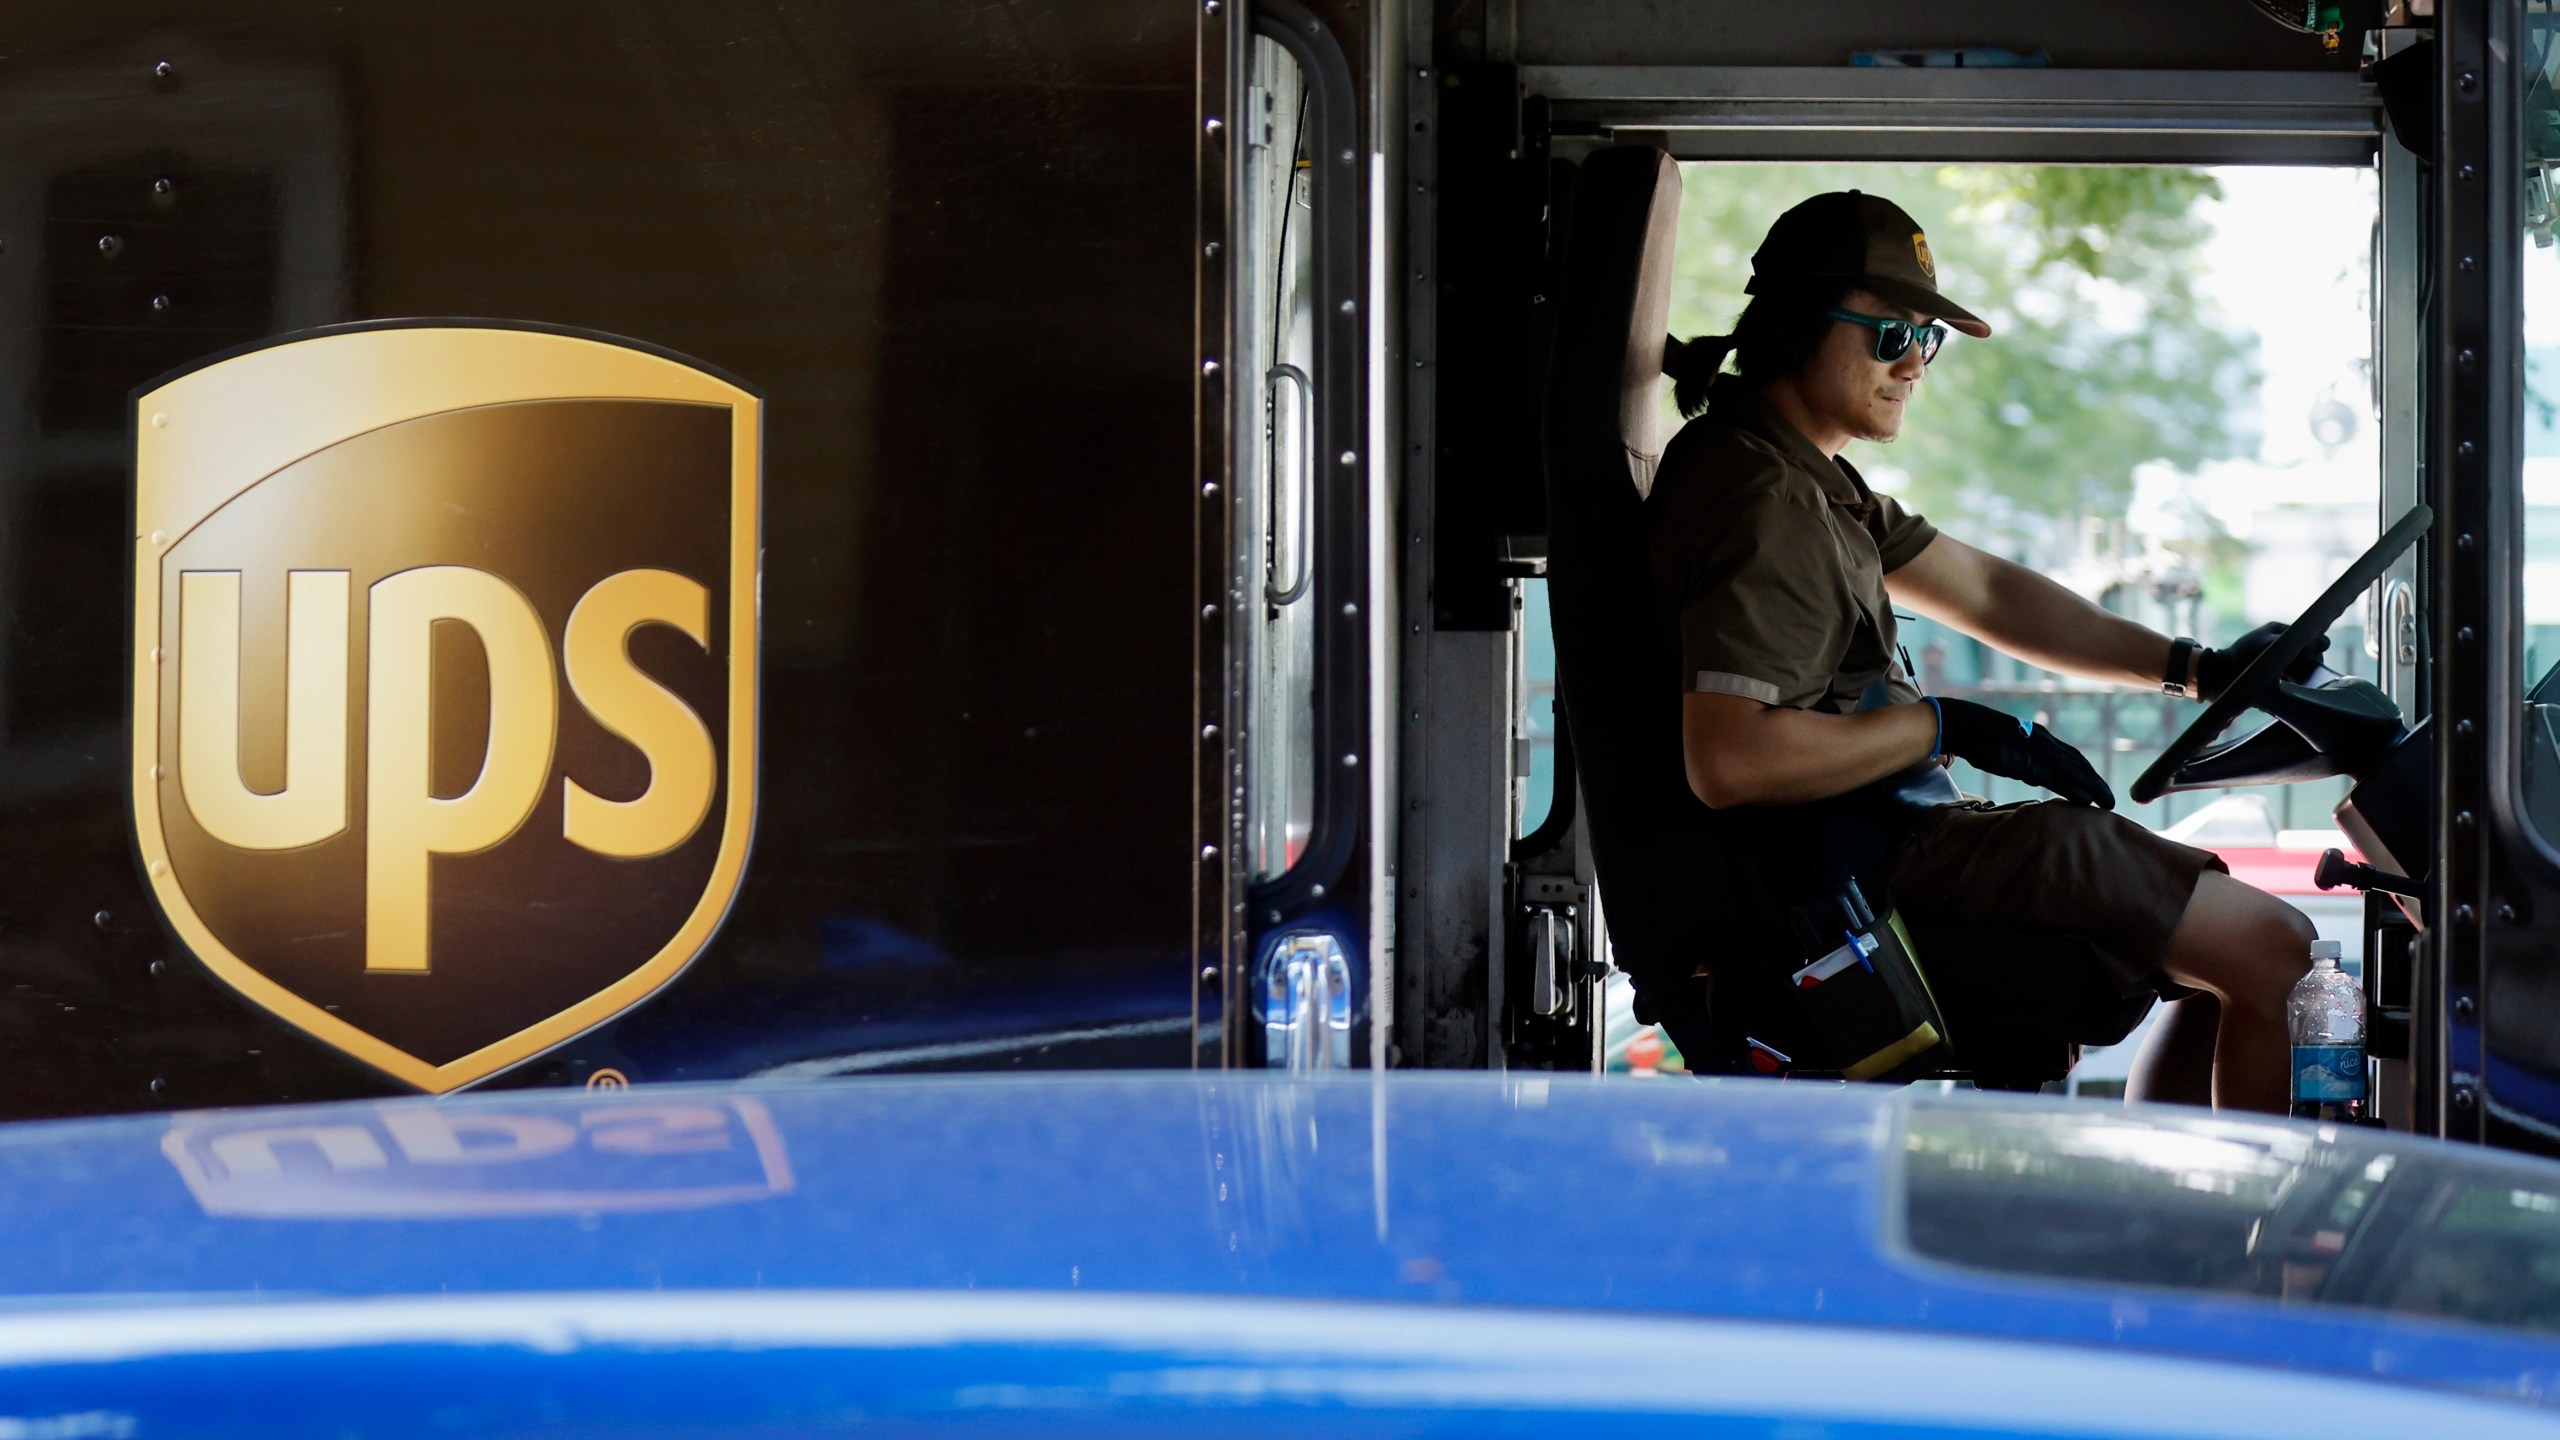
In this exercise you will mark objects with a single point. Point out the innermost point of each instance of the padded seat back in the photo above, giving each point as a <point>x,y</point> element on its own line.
<point>1653,844</point>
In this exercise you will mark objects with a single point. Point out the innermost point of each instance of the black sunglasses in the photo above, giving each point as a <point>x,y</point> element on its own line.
<point>1894,337</point>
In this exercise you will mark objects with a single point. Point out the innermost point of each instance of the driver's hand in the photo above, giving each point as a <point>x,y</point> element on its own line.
<point>2216,669</point>
<point>2002,744</point>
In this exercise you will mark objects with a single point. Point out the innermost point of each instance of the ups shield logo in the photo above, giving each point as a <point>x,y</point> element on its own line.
<point>445,679</point>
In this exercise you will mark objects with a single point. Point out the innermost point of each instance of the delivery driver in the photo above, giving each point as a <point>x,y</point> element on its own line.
<point>1778,569</point>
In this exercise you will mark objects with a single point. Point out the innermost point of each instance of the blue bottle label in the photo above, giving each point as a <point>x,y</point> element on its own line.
<point>2328,1072</point>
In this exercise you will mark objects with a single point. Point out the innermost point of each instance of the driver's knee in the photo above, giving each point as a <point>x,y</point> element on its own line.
<point>2240,943</point>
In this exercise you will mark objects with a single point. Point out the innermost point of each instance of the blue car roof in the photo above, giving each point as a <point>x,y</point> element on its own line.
<point>1735,1201</point>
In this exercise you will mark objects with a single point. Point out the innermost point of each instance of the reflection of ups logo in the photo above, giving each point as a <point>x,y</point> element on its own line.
<point>445,680</point>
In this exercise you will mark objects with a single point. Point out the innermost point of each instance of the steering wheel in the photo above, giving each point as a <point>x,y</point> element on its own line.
<point>2257,684</point>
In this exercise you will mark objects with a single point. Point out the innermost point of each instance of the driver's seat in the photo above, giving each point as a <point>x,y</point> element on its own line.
<point>1704,961</point>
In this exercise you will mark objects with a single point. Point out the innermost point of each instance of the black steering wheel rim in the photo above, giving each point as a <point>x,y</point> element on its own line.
<point>2255,681</point>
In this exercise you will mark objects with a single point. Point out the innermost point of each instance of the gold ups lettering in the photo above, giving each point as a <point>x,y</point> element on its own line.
<point>407,821</point>
<point>445,680</point>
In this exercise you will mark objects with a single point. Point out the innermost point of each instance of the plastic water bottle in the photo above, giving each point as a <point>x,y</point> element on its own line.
<point>2326,1015</point>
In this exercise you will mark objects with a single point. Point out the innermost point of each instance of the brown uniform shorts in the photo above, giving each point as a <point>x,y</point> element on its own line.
<point>2053,865</point>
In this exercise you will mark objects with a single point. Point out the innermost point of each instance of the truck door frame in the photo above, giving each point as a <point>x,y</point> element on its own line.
<point>1334,894</point>
<point>1456,677</point>
<point>2495,892</point>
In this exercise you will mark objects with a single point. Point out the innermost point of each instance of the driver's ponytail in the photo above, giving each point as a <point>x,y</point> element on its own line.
<point>1772,338</point>
<point>1694,367</point>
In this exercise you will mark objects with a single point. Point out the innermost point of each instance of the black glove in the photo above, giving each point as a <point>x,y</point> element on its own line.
<point>2216,669</point>
<point>2003,744</point>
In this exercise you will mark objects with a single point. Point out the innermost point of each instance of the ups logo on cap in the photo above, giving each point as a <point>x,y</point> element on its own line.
<point>445,680</point>
<point>1920,251</point>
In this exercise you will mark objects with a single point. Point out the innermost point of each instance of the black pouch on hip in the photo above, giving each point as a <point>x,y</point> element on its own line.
<point>1862,990</point>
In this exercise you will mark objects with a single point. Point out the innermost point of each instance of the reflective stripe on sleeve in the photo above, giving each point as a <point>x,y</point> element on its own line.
<point>1716,682</point>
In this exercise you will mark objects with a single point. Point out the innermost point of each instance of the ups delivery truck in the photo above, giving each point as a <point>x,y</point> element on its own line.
<point>600,544</point>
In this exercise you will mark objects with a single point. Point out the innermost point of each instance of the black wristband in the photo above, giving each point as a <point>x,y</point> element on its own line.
<point>2181,651</point>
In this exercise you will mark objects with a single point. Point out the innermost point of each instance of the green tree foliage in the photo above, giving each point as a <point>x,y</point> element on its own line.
<point>2103,356</point>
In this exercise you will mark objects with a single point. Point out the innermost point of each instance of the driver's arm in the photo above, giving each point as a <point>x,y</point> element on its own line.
<point>2019,612</point>
<point>1743,752</point>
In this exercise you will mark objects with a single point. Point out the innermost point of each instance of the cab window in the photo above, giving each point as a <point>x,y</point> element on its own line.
<point>1276,457</point>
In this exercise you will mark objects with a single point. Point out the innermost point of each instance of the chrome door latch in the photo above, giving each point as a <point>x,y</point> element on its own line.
<point>1304,981</point>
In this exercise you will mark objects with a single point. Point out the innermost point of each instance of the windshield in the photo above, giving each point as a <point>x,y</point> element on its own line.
<point>2540,322</point>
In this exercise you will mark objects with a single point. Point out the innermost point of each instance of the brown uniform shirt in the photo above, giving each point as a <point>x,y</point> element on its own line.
<point>1769,560</point>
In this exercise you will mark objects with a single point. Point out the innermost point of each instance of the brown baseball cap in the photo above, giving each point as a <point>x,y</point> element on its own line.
<point>1850,235</point>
